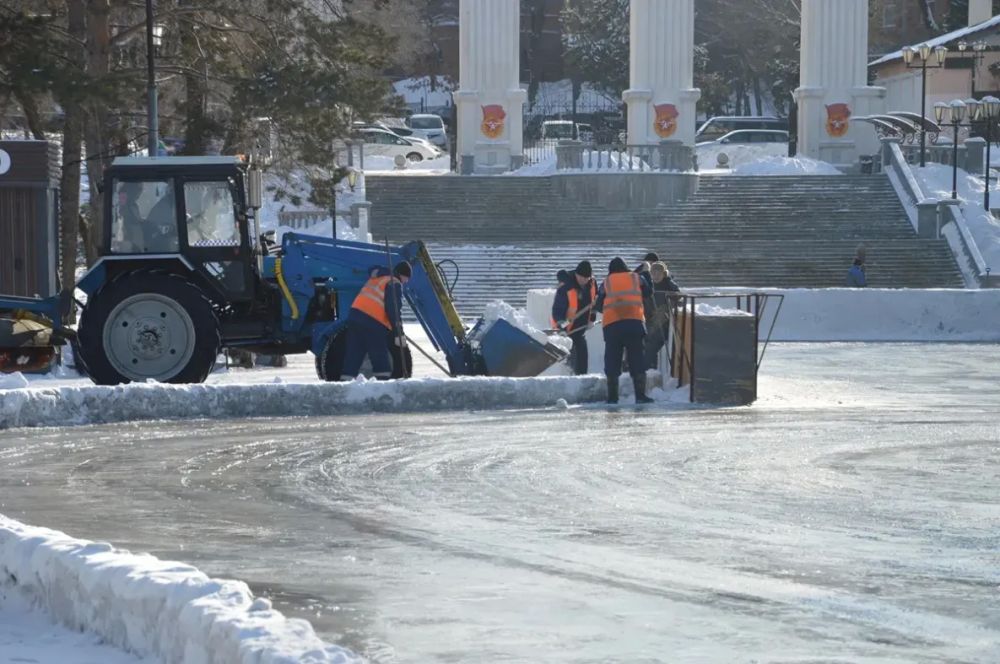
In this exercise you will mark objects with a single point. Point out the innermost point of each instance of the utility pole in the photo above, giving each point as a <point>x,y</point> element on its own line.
<point>152,110</point>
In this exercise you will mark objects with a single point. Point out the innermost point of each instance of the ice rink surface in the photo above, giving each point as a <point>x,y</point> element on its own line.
<point>852,515</point>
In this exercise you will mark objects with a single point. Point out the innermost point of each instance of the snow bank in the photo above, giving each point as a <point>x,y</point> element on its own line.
<point>378,164</point>
<point>846,314</point>
<point>786,166</point>
<point>935,181</point>
<point>12,381</point>
<point>739,155</point>
<point>164,610</point>
<point>93,404</point>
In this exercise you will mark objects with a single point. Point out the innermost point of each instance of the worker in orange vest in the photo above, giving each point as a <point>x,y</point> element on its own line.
<point>573,312</point>
<point>620,298</point>
<point>375,322</point>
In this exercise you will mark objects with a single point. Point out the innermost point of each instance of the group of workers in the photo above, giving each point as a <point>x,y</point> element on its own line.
<point>635,317</point>
<point>634,304</point>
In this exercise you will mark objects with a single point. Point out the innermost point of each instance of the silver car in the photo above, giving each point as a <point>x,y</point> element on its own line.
<point>430,127</point>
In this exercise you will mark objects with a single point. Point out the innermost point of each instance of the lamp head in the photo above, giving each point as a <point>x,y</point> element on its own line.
<point>925,52</point>
<point>963,46</point>
<point>908,54</point>
<point>940,111</point>
<point>958,109</point>
<point>992,107</point>
<point>941,54</point>
<point>975,109</point>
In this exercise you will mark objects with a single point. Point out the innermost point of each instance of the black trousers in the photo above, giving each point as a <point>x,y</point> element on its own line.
<point>579,355</point>
<point>624,337</point>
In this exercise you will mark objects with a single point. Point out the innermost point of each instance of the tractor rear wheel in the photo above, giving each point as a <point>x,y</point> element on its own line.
<point>330,363</point>
<point>149,325</point>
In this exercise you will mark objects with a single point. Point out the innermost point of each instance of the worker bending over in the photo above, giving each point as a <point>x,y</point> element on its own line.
<point>573,312</point>
<point>375,322</point>
<point>620,298</point>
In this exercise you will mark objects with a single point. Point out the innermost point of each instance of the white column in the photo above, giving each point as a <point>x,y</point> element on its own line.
<point>661,98</point>
<point>833,85</point>
<point>489,98</point>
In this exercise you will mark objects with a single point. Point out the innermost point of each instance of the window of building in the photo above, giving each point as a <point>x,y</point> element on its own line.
<point>890,13</point>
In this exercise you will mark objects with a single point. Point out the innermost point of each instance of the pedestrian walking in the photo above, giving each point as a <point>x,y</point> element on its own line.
<point>658,324</point>
<point>856,276</point>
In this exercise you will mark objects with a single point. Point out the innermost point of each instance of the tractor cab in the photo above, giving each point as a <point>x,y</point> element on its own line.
<point>193,209</point>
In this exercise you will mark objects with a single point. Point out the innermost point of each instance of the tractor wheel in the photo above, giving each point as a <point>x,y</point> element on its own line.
<point>146,325</point>
<point>330,364</point>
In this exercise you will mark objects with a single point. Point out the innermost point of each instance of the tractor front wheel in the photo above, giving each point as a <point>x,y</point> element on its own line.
<point>149,325</point>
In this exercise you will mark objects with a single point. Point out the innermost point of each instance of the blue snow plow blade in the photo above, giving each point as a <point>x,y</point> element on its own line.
<point>508,351</point>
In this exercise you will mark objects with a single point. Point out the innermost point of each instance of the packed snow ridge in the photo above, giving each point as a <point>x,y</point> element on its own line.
<point>93,404</point>
<point>165,611</point>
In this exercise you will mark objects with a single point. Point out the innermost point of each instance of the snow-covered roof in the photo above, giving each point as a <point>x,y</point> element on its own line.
<point>943,39</point>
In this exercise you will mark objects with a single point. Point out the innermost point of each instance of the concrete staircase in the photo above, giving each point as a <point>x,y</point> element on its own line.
<point>509,234</point>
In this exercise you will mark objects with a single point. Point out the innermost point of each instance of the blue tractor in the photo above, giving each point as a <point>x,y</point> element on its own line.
<point>184,272</point>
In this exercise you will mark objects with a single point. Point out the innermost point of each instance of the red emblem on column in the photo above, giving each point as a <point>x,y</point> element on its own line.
<point>665,124</point>
<point>838,118</point>
<point>493,120</point>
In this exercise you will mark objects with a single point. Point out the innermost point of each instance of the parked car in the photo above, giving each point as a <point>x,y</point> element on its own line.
<point>385,143</point>
<point>430,127</point>
<point>554,130</point>
<point>751,136</point>
<point>717,127</point>
<point>404,132</point>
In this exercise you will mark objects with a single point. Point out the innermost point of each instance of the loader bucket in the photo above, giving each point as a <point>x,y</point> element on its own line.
<point>508,351</point>
<point>25,346</point>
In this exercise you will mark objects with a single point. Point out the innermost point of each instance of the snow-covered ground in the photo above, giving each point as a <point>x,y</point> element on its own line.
<point>379,165</point>
<point>849,516</point>
<point>737,154</point>
<point>164,611</point>
<point>936,182</point>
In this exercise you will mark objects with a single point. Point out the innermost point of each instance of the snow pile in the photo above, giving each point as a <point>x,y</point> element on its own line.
<point>12,381</point>
<point>152,608</point>
<point>738,154</point>
<point>786,166</point>
<point>93,404</point>
<point>705,309</point>
<point>935,181</point>
<point>381,164</point>
<point>519,318</point>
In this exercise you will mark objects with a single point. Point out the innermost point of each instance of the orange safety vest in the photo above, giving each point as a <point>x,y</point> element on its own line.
<point>574,308</point>
<point>371,300</point>
<point>622,298</point>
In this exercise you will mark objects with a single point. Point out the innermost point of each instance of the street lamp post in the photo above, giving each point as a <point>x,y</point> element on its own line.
<point>989,111</point>
<point>953,114</point>
<point>977,54</point>
<point>925,53</point>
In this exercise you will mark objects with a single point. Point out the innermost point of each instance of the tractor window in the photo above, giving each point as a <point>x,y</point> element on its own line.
<point>144,218</point>
<point>211,214</point>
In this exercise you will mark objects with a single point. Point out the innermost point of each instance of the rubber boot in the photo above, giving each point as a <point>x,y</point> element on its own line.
<point>612,389</point>
<point>640,390</point>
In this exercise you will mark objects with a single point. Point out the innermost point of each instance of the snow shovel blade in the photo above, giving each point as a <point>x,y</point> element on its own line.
<point>510,352</point>
<point>25,346</point>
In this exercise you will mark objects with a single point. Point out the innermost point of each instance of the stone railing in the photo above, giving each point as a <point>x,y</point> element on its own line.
<point>929,216</point>
<point>971,154</point>
<point>667,156</point>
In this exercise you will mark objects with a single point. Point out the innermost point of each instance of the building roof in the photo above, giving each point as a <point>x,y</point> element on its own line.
<point>942,40</point>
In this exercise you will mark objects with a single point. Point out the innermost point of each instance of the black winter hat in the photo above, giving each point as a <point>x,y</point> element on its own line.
<point>584,270</point>
<point>651,257</point>
<point>617,265</point>
<point>403,270</point>
<point>562,276</point>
